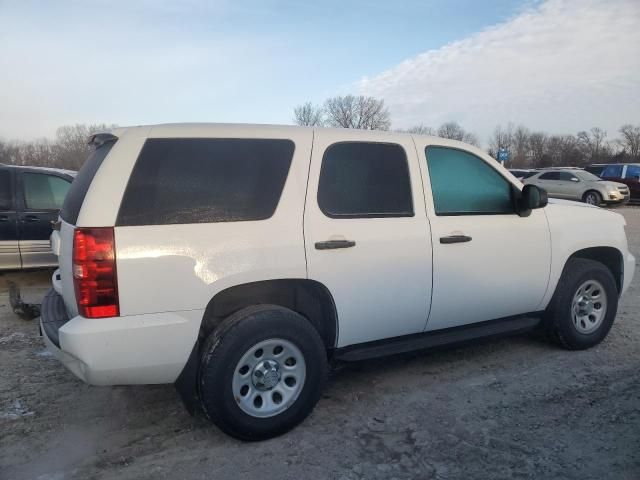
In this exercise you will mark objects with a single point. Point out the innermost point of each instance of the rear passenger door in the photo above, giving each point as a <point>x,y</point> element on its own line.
<point>367,237</point>
<point>550,181</point>
<point>9,251</point>
<point>41,199</point>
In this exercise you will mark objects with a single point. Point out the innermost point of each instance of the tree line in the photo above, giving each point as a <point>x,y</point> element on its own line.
<point>526,148</point>
<point>68,149</point>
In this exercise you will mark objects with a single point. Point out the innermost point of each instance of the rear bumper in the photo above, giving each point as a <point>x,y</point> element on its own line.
<point>136,349</point>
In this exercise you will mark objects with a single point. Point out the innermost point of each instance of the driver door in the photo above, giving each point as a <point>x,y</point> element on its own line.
<point>488,262</point>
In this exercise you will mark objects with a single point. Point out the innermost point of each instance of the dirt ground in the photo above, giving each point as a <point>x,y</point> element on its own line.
<point>513,408</point>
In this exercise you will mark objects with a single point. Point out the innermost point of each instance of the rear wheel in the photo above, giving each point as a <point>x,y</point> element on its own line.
<point>584,305</point>
<point>262,372</point>
<point>592,198</point>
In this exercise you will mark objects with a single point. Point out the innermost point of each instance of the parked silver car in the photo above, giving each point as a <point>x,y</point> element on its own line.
<point>575,184</point>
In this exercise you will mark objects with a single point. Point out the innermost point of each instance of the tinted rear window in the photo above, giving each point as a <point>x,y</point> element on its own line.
<point>202,180</point>
<point>5,190</point>
<point>80,185</point>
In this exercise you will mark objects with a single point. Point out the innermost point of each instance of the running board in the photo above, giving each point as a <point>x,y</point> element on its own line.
<point>438,338</point>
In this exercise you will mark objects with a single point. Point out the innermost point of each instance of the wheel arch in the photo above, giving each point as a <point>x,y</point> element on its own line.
<point>610,257</point>
<point>592,190</point>
<point>309,298</point>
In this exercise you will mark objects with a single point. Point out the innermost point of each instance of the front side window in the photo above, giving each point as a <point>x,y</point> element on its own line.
<point>463,184</point>
<point>5,190</point>
<point>44,192</point>
<point>612,171</point>
<point>365,180</point>
<point>567,177</point>
<point>204,180</point>
<point>633,172</point>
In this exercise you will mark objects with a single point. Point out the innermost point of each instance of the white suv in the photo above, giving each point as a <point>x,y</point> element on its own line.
<point>237,261</point>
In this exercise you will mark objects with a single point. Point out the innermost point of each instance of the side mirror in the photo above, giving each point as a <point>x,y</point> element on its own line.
<point>531,197</point>
<point>574,179</point>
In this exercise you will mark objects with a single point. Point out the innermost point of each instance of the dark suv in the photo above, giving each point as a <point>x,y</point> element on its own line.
<point>30,199</point>
<point>627,173</point>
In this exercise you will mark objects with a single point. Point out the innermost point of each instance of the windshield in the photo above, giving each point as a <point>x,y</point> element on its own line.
<point>589,177</point>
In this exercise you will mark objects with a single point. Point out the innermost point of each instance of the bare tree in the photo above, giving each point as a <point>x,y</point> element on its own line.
<point>308,115</point>
<point>538,148</point>
<point>521,149</point>
<point>453,131</point>
<point>365,113</point>
<point>630,141</point>
<point>592,144</point>
<point>71,141</point>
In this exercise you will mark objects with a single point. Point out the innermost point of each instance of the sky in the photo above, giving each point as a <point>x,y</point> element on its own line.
<point>556,65</point>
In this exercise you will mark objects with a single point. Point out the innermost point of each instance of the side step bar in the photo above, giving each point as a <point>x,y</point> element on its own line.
<point>438,338</point>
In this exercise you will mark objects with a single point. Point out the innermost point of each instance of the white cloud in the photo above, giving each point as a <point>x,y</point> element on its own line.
<point>561,66</point>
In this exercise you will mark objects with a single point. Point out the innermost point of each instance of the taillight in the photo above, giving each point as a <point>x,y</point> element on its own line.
<point>94,272</point>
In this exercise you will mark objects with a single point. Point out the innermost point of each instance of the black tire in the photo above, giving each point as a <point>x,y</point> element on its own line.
<point>558,319</point>
<point>226,346</point>
<point>597,198</point>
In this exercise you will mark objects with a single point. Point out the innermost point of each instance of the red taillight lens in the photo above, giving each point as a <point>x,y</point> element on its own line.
<point>94,272</point>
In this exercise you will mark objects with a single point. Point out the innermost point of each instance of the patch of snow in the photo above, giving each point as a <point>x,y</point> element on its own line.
<point>15,336</point>
<point>16,411</point>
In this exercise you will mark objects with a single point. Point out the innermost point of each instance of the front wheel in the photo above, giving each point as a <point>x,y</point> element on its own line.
<point>592,198</point>
<point>584,305</point>
<point>262,372</point>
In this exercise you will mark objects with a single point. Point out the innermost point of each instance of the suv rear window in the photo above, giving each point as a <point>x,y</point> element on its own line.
<point>204,180</point>
<point>80,185</point>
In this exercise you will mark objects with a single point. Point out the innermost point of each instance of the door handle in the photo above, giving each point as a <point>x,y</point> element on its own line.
<point>4,218</point>
<point>333,244</point>
<point>455,239</point>
<point>30,218</point>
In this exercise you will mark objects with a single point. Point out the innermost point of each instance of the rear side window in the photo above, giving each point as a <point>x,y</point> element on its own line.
<point>44,192</point>
<point>366,180</point>
<point>612,171</point>
<point>80,185</point>
<point>550,176</point>
<point>5,190</point>
<point>463,184</point>
<point>204,180</point>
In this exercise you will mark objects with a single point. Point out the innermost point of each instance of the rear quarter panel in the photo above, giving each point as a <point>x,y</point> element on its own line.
<point>165,268</point>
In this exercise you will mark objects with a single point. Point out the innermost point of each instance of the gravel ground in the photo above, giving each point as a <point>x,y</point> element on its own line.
<point>513,408</point>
